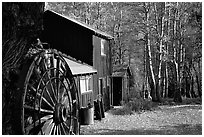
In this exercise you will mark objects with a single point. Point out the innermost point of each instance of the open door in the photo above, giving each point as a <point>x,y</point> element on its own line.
<point>117,91</point>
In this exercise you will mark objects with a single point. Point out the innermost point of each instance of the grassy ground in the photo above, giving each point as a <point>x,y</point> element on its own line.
<point>165,119</point>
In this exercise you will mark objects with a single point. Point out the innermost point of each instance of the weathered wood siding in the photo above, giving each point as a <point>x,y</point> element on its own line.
<point>103,66</point>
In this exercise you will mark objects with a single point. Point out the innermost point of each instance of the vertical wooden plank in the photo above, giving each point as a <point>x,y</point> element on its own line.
<point>77,79</point>
<point>96,55</point>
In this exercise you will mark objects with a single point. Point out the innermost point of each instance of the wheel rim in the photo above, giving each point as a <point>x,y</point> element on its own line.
<point>50,100</point>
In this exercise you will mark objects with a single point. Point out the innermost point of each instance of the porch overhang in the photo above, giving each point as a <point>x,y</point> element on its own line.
<point>78,68</point>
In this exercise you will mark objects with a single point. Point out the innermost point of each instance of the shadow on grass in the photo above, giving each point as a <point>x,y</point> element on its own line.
<point>181,129</point>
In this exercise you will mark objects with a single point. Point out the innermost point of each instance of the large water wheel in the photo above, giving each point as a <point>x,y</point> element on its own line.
<point>48,100</point>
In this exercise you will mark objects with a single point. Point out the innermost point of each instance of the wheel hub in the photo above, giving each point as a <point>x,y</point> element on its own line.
<point>60,113</point>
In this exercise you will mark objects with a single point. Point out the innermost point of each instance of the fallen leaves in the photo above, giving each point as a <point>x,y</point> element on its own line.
<point>167,120</point>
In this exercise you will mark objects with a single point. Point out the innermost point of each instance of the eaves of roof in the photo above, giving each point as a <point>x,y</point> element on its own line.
<point>96,31</point>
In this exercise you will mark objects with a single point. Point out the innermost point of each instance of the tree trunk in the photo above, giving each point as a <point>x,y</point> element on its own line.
<point>153,84</point>
<point>161,50</point>
<point>177,94</point>
<point>198,81</point>
<point>167,81</point>
<point>199,78</point>
<point>153,93</point>
<point>22,24</point>
<point>149,63</point>
<point>192,87</point>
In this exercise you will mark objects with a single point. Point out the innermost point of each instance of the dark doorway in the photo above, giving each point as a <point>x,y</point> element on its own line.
<point>117,91</point>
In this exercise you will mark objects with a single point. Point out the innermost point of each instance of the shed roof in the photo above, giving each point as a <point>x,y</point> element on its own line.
<point>95,31</point>
<point>79,68</point>
<point>120,71</point>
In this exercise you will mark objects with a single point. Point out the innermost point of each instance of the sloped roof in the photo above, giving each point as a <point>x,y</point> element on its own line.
<point>121,70</point>
<point>96,32</point>
<point>78,68</point>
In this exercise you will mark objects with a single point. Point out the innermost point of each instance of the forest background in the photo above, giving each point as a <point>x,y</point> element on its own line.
<point>160,41</point>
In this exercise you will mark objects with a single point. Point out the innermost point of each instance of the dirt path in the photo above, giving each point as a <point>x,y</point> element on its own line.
<point>166,120</point>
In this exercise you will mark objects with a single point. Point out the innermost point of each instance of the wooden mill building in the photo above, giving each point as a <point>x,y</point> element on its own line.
<point>90,55</point>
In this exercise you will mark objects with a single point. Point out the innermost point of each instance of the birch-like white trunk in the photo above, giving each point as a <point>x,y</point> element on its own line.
<point>177,93</point>
<point>160,58</point>
<point>150,59</point>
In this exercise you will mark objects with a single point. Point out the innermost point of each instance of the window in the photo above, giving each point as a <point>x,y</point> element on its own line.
<point>89,83</point>
<point>86,84</point>
<point>103,47</point>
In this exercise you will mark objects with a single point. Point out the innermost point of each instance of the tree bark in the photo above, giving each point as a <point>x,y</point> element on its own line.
<point>177,93</point>
<point>22,24</point>
<point>152,75</point>
<point>198,81</point>
<point>161,49</point>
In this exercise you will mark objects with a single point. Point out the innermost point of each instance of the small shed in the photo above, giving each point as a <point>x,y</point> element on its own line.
<point>120,84</point>
<point>83,75</point>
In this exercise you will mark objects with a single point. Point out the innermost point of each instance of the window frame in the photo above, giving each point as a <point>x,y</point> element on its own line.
<point>86,84</point>
<point>103,47</point>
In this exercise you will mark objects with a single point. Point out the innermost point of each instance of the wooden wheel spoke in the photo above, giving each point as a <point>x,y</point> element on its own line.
<point>45,100</point>
<point>47,91</point>
<point>67,127</point>
<point>38,109</point>
<point>60,130</point>
<point>63,131</point>
<point>46,111</point>
<point>57,129</point>
<point>54,130</point>
<point>53,96</point>
<point>58,89</point>
<point>49,88</point>
<point>52,71</point>
<point>46,117</point>
<point>30,108</point>
<point>44,86</point>
<point>53,90</point>
<point>47,75</point>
